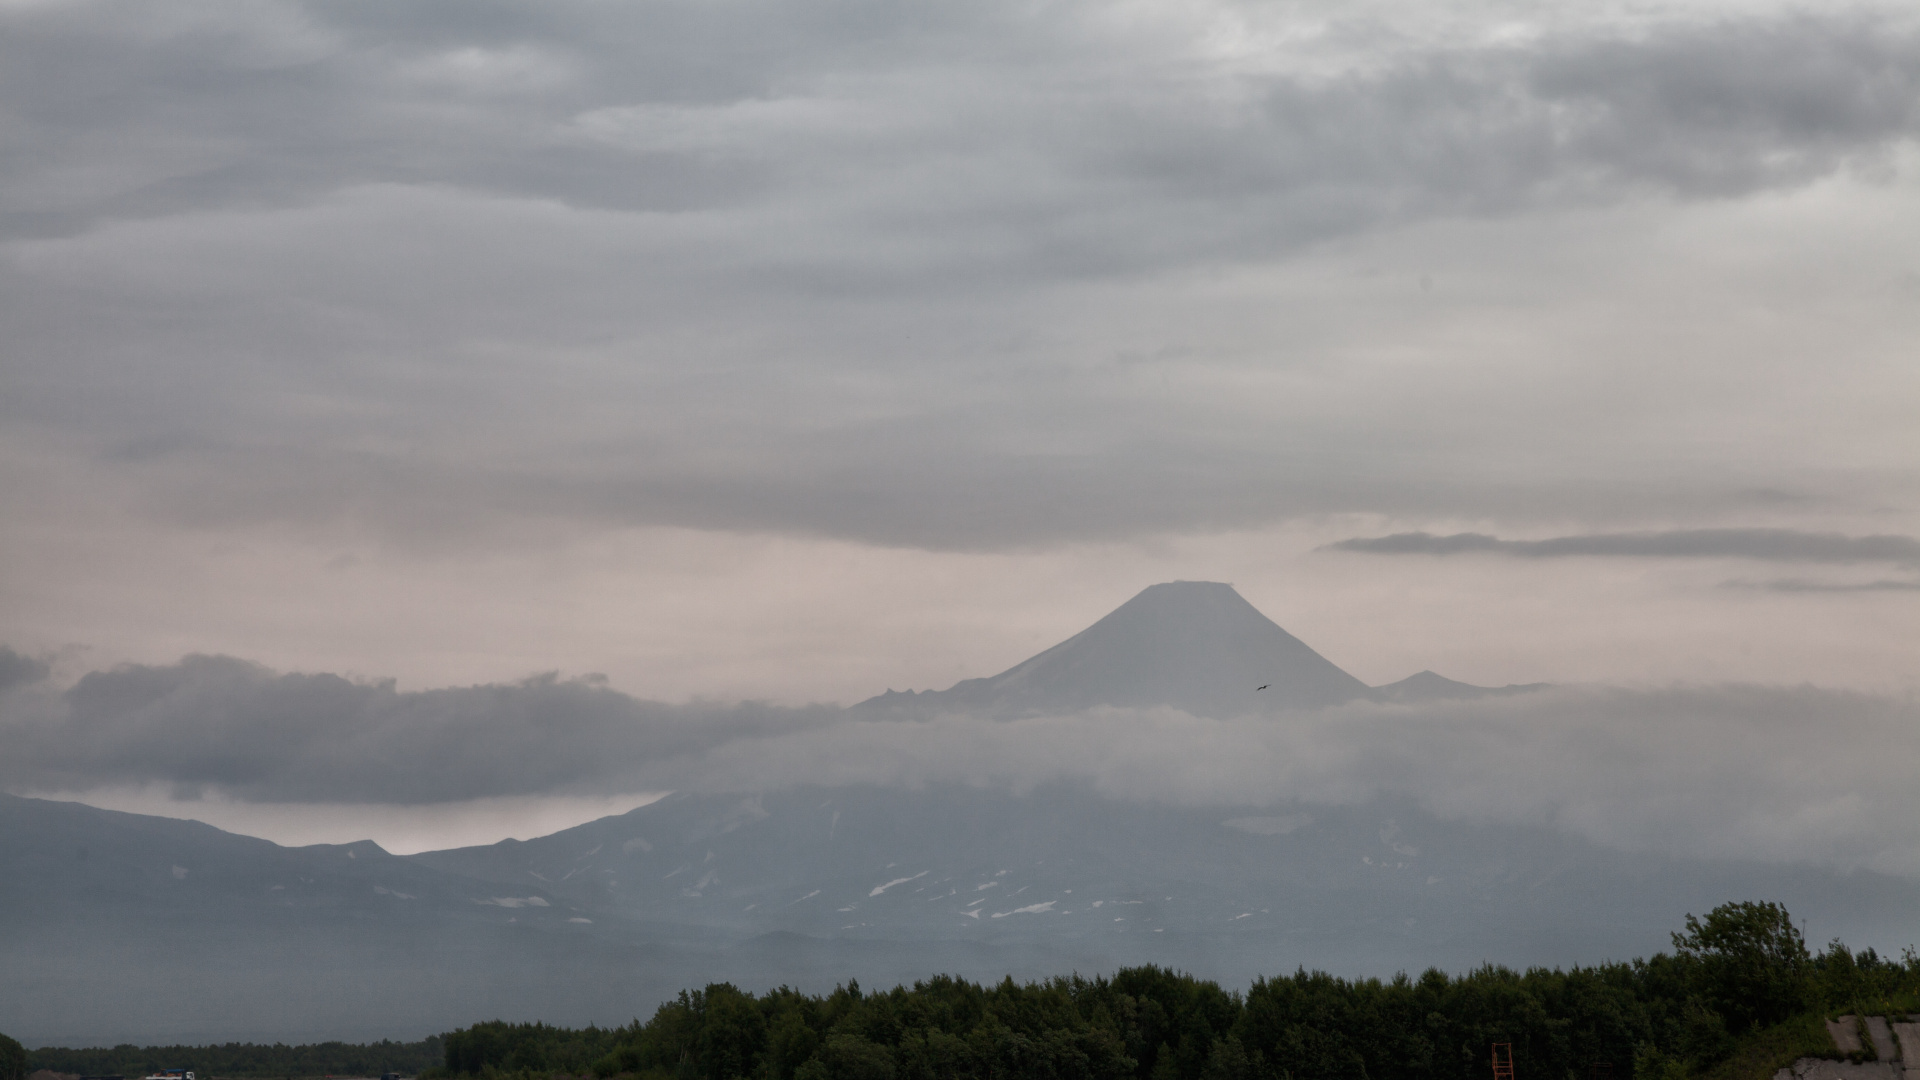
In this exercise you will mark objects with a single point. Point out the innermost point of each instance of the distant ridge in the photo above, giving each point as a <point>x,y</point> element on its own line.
<point>1193,645</point>
<point>1428,686</point>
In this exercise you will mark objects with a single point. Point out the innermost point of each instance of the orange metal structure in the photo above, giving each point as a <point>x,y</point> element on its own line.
<point>1502,1061</point>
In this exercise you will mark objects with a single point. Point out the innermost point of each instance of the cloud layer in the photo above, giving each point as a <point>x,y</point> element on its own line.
<point>1211,128</point>
<point>1750,772</point>
<point>960,276</point>
<point>230,728</point>
<point>1733,771</point>
<point>1771,545</point>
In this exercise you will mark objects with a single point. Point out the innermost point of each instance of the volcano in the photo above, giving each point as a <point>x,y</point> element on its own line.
<point>1197,646</point>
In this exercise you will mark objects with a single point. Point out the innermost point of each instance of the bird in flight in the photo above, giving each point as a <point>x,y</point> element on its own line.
<point>1261,687</point>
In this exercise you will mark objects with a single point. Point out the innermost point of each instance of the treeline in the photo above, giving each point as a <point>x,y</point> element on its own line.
<point>518,1049</point>
<point>1738,997</point>
<point>246,1061</point>
<point>1740,991</point>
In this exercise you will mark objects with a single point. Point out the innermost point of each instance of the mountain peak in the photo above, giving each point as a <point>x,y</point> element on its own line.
<point>1193,645</point>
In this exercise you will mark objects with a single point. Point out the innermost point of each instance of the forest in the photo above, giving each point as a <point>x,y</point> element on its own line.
<point>245,1059</point>
<point>1739,996</point>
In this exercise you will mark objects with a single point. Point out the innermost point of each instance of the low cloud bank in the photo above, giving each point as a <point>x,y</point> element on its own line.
<point>1797,774</point>
<point>217,725</point>
<point>1788,774</point>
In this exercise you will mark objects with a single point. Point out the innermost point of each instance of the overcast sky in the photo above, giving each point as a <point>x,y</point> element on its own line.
<point>793,351</point>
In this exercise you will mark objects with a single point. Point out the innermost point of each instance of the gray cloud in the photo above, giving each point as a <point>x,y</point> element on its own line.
<point>685,106</point>
<point>18,670</point>
<point>1801,585</point>
<point>1771,545</point>
<point>800,267</point>
<point>224,726</point>
<point>1770,773</point>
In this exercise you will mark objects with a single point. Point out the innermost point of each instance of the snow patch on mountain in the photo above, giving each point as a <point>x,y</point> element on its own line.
<point>878,889</point>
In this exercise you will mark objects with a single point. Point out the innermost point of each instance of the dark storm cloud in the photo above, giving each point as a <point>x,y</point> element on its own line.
<point>1740,106</point>
<point>1771,545</point>
<point>220,725</point>
<point>18,670</point>
<point>1768,772</point>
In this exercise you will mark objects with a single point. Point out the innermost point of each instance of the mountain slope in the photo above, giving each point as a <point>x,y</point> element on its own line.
<point>1193,645</point>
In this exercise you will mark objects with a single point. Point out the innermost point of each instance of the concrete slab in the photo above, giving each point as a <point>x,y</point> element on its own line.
<point>1882,1038</point>
<point>1823,1069</point>
<point>1846,1034</point>
<point>1907,1034</point>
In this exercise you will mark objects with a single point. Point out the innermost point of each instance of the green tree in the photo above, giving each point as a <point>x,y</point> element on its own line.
<point>13,1059</point>
<point>733,1034</point>
<point>848,1057</point>
<point>790,1042</point>
<point>1753,962</point>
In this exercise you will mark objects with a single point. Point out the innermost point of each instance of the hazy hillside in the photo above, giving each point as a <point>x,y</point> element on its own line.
<point>1370,889</point>
<point>121,927</point>
<point>808,888</point>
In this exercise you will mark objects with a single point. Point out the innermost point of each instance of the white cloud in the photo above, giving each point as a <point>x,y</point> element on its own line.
<point>1729,772</point>
<point>518,69</point>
